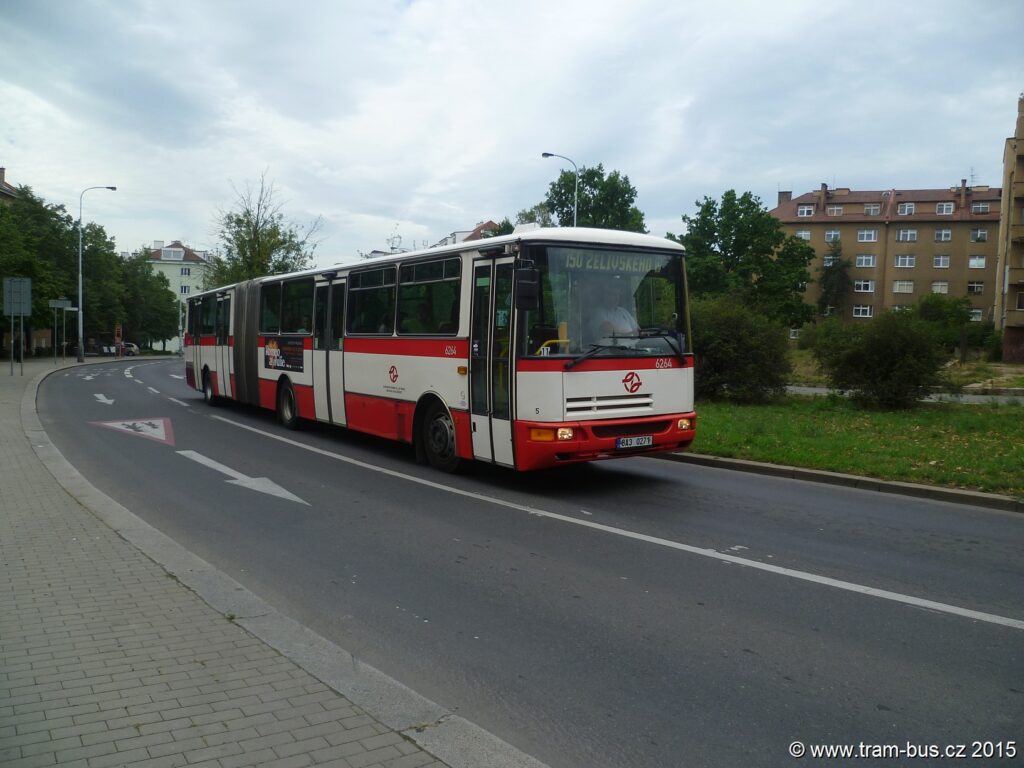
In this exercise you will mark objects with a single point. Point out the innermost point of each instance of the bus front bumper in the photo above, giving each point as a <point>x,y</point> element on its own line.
<point>542,444</point>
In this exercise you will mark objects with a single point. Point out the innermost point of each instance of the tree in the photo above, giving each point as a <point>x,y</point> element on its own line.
<point>737,248</point>
<point>835,281</point>
<point>257,240</point>
<point>740,354</point>
<point>539,214</point>
<point>151,309</point>
<point>891,362</point>
<point>604,201</point>
<point>40,241</point>
<point>505,227</point>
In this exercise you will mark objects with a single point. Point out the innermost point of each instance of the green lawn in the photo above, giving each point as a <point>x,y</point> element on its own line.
<point>977,447</point>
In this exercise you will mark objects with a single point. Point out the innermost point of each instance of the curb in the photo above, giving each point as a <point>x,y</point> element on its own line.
<point>935,493</point>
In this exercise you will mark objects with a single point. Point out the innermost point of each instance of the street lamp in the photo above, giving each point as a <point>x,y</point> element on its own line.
<point>81,309</point>
<point>576,191</point>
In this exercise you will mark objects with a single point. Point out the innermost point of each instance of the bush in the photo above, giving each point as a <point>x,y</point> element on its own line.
<point>891,362</point>
<point>994,347</point>
<point>740,355</point>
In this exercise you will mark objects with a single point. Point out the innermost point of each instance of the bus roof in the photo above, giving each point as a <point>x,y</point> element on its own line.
<point>567,235</point>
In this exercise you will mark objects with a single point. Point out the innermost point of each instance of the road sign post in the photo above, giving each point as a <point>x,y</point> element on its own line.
<point>18,303</point>
<point>56,304</point>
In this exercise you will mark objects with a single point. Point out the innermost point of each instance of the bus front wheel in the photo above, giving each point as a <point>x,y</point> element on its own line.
<point>287,413</point>
<point>438,438</point>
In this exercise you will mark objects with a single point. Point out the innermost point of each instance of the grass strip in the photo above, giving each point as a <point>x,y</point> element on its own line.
<point>973,447</point>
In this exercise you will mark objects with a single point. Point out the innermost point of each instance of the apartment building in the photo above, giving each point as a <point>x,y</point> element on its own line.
<point>1009,300</point>
<point>185,270</point>
<point>902,243</point>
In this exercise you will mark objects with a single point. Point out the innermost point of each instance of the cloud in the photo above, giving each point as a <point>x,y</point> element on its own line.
<point>432,114</point>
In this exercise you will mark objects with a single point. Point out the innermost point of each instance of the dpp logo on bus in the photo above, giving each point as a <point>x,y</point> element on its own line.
<point>632,382</point>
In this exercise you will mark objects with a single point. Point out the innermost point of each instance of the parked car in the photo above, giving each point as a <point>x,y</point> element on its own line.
<point>130,349</point>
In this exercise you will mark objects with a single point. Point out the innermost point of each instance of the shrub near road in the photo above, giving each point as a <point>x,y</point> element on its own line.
<point>975,447</point>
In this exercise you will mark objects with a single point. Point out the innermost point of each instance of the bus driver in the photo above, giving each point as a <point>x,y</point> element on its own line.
<point>610,317</point>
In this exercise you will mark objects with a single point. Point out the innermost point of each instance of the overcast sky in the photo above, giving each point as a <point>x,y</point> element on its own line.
<point>425,117</point>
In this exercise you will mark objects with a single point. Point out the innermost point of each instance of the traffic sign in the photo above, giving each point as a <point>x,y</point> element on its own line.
<point>60,303</point>
<point>17,296</point>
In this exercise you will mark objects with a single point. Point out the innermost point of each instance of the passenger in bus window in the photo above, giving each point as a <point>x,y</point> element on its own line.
<point>610,317</point>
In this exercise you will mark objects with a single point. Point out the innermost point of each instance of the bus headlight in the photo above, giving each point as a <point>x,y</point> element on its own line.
<point>685,425</point>
<point>565,433</point>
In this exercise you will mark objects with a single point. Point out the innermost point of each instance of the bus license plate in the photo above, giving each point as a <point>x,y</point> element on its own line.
<point>634,442</point>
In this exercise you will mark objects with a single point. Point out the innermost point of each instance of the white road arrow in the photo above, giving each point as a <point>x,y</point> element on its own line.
<point>104,399</point>
<point>261,484</point>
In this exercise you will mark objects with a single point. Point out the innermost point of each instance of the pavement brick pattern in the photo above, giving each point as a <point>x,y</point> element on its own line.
<point>107,661</point>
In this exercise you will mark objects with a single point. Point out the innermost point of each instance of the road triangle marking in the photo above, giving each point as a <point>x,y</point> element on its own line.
<point>158,429</point>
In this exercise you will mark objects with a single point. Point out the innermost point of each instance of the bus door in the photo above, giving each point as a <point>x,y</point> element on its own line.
<point>222,352</point>
<point>490,353</point>
<point>328,345</point>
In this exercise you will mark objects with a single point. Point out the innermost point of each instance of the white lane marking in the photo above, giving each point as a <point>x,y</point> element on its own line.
<point>139,381</point>
<point>154,391</point>
<point>179,402</point>
<point>103,399</point>
<point>176,376</point>
<point>792,573</point>
<point>261,484</point>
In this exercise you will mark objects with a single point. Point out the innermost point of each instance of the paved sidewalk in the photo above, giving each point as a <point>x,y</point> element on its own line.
<point>106,659</point>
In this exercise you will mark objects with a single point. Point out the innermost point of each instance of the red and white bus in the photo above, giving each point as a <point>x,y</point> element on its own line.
<point>499,350</point>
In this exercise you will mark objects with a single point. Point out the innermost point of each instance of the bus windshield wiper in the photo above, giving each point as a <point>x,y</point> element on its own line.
<point>594,349</point>
<point>671,338</point>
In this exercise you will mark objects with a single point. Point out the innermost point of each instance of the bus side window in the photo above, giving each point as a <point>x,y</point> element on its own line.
<point>297,306</point>
<point>209,316</point>
<point>371,301</point>
<point>270,309</point>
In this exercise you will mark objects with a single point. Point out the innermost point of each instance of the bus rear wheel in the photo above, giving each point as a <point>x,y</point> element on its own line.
<point>438,439</point>
<point>208,395</point>
<point>287,413</point>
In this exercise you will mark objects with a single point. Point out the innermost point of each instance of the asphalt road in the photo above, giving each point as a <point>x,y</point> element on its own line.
<point>630,613</point>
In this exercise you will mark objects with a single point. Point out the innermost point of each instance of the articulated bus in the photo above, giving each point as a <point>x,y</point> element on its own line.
<point>528,350</point>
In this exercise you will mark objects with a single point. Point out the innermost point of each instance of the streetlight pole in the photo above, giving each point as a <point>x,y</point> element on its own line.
<point>81,309</point>
<point>576,190</point>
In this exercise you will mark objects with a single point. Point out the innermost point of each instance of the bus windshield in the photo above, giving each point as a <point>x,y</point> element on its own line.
<point>602,302</point>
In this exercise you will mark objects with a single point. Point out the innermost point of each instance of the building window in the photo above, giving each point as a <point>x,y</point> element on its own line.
<point>872,209</point>
<point>1020,300</point>
<point>863,310</point>
<point>906,236</point>
<point>979,235</point>
<point>865,259</point>
<point>941,261</point>
<point>905,209</point>
<point>184,290</point>
<point>834,210</point>
<point>803,234</point>
<point>831,235</point>
<point>906,260</point>
<point>867,235</point>
<point>944,209</point>
<point>979,207</point>
<point>828,260</point>
<point>186,271</point>
<point>940,286</point>
<point>976,287</point>
<point>943,235</point>
<point>794,333</point>
<point>903,286</point>
<point>864,286</point>
<point>976,315</point>
<point>976,262</point>
<point>805,210</point>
